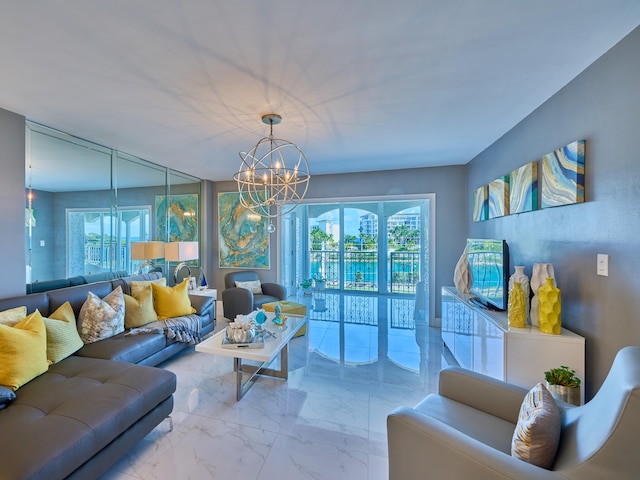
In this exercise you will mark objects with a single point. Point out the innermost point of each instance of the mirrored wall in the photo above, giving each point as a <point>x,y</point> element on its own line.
<point>86,205</point>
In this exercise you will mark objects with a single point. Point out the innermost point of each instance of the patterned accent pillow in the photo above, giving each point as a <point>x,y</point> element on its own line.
<point>537,434</point>
<point>62,333</point>
<point>101,318</point>
<point>139,308</point>
<point>23,351</point>
<point>12,316</point>
<point>254,285</point>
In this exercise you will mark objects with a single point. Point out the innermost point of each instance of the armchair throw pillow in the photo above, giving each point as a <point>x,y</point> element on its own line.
<point>101,318</point>
<point>254,285</point>
<point>537,434</point>
<point>23,351</point>
<point>170,302</point>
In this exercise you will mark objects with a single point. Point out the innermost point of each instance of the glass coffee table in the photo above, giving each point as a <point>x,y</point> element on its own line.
<point>276,344</point>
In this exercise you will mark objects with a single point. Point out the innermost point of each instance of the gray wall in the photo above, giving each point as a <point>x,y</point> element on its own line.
<point>447,183</point>
<point>12,200</point>
<point>601,106</point>
<point>42,257</point>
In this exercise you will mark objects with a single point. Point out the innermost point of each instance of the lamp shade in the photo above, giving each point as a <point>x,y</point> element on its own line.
<point>147,250</point>
<point>181,251</point>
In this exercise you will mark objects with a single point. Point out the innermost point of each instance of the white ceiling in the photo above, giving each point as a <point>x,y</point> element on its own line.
<point>360,84</point>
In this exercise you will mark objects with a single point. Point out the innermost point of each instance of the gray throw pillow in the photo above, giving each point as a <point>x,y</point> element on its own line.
<point>6,396</point>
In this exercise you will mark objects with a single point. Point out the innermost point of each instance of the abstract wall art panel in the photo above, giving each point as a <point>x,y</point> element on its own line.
<point>499,197</point>
<point>481,204</point>
<point>563,176</point>
<point>242,235</point>
<point>179,217</point>
<point>523,189</point>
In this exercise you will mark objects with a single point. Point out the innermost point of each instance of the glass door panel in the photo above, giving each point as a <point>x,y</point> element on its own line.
<point>346,249</point>
<point>324,235</point>
<point>361,247</point>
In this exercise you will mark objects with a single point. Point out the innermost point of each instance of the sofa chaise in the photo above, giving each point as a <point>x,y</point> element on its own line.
<point>87,410</point>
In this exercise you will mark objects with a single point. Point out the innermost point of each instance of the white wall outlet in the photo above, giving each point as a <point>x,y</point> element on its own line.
<point>42,243</point>
<point>603,264</point>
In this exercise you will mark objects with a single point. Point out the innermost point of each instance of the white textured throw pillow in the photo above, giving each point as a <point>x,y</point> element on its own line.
<point>101,318</point>
<point>254,285</point>
<point>537,434</point>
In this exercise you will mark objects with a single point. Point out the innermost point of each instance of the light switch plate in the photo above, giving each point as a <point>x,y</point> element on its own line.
<point>603,264</point>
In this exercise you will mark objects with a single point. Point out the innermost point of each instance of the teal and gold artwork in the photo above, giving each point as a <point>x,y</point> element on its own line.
<point>242,235</point>
<point>563,176</point>
<point>523,189</point>
<point>499,197</point>
<point>178,218</point>
<point>481,203</point>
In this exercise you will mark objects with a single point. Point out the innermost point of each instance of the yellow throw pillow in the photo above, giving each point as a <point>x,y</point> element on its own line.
<point>62,333</point>
<point>138,286</point>
<point>12,316</point>
<point>170,302</point>
<point>23,351</point>
<point>138,308</point>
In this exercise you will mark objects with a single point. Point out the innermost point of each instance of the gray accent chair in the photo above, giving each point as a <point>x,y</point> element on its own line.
<point>465,430</point>
<point>240,301</point>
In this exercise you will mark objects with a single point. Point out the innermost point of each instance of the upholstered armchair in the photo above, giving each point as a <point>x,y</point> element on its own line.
<point>242,300</point>
<point>465,430</point>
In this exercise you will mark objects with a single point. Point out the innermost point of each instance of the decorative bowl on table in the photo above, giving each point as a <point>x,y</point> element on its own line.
<point>240,332</point>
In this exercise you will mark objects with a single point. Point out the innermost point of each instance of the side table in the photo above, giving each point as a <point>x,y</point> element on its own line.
<point>207,292</point>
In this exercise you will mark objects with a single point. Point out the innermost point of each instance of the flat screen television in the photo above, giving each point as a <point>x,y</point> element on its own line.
<point>489,264</point>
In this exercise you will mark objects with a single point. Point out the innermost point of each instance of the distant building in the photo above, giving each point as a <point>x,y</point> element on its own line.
<point>369,222</point>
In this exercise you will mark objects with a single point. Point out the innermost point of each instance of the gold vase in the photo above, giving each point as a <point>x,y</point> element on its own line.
<point>549,308</point>
<point>516,309</point>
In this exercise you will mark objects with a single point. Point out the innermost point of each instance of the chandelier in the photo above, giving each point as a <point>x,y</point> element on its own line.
<point>274,175</point>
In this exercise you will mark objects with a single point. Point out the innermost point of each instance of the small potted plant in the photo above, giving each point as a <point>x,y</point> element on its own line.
<point>306,285</point>
<point>320,282</point>
<point>563,384</point>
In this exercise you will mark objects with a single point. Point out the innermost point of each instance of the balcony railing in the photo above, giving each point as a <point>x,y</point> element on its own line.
<point>104,256</point>
<point>361,270</point>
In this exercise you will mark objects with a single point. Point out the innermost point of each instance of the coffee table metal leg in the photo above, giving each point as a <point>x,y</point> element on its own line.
<point>243,387</point>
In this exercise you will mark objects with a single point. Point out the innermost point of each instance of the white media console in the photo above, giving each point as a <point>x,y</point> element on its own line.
<point>481,340</point>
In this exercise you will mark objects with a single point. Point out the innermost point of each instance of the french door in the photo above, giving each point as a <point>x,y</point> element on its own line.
<point>378,246</point>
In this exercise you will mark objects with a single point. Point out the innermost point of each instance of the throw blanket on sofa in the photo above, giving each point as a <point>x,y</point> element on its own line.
<point>183,329</point>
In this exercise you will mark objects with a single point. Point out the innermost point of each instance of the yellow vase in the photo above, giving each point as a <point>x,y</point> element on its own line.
<point>517,310</point>
<point>549,308</point>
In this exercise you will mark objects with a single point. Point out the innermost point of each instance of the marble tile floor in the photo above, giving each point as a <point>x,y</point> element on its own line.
<point>327,421</point>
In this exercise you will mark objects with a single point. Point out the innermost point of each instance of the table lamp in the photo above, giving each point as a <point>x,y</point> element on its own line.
<point>147,251</point>
<point>181,252</point>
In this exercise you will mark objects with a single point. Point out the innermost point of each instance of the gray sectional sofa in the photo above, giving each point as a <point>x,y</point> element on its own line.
<point>48,285</point>
<point>88,410</point>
